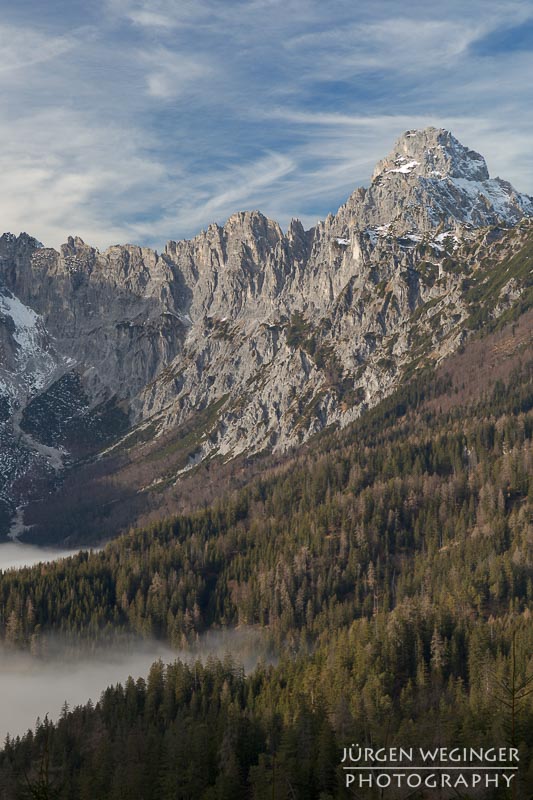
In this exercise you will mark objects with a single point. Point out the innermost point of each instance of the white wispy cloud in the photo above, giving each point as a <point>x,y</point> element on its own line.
<point>173,74</point>
<point>24,48</point>
<point>241,19</point>
<point>62,172</point>
<point>399,43</point>
<point>165,13</point>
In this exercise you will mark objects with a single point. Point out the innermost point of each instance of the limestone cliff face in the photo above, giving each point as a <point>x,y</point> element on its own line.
<point>278,333</point>
<point>111,314</point>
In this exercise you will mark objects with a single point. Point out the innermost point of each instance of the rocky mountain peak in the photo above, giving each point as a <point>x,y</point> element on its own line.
<point>75,246</point>
<point>431,179</point>
<point>432,153</point>
<point>253,228</point>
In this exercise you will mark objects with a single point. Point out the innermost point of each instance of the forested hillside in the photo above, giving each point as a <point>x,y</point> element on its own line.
<point>389,566</point>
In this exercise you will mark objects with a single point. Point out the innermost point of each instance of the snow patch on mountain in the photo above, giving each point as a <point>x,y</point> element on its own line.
<point>26,332</point>
<point>34,362</point>
<point>404,168</point>
<point>497,193</point>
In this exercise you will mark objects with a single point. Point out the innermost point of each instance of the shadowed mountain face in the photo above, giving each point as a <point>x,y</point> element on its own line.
<point>245,338</point>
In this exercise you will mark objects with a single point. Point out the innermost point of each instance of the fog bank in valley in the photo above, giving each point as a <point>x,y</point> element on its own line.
<point>33,687</point>
<point>14,555</point>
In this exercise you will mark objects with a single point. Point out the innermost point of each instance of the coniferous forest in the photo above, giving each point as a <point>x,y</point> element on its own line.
<point>388,569</point>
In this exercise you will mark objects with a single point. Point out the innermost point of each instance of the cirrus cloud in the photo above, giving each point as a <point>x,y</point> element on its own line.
<point>158,117</point>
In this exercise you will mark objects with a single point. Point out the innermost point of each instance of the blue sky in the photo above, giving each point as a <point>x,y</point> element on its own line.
<point>145,120</point>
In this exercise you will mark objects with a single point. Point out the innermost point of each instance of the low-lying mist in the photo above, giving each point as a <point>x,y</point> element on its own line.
<point>33,687</point>
<point>14,555</point>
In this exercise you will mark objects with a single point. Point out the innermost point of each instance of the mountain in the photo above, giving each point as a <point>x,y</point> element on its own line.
<point>123,370</point>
